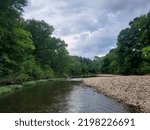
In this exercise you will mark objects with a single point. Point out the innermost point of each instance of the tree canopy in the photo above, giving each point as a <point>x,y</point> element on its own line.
<point>132,53</point>
<point>29,51</point>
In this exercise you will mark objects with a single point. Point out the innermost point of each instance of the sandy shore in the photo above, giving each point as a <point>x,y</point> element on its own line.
<point>132,90</point>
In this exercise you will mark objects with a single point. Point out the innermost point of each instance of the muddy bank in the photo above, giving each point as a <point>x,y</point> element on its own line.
<point>132,90</point>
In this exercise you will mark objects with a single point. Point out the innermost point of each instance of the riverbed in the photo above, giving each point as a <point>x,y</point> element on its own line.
<point>59,97</point>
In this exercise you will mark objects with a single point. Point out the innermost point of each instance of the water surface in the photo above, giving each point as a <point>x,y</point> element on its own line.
<point>60,97</point>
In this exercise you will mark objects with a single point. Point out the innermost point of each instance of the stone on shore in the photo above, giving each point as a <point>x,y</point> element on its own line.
<point>132,90</point>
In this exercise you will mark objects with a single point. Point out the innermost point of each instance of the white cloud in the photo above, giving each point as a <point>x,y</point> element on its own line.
<point>89,27</point>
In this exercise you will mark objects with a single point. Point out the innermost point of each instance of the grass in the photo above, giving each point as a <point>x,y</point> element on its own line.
<point>34,82</point>
<point>85,76</point>
<point>8,89</point>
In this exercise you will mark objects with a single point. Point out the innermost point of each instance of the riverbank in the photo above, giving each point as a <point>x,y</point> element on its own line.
<point>132,90</point>
<point>5,89</point>
<point>9,88</point>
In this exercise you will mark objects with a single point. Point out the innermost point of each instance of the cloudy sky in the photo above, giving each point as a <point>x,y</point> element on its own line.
<point>89,27</point>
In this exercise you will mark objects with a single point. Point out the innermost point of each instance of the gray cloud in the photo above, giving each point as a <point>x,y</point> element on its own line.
<point>90,27</point>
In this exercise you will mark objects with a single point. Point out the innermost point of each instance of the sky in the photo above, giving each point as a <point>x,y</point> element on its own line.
<point>89,27</point>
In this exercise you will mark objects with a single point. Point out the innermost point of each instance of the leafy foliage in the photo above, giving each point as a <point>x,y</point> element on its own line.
<point>132,53</point>
<point>29,51</point>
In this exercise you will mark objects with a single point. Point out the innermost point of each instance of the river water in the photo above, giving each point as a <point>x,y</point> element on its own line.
<point>59,97</point>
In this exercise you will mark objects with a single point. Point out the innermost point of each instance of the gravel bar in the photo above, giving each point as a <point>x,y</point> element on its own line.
<point>132,90</point>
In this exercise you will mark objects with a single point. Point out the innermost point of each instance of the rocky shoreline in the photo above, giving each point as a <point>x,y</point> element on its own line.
<point>132,90</point>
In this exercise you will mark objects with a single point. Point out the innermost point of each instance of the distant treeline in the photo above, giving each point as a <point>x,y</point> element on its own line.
<point>29,51</point>
<point>132,54</point>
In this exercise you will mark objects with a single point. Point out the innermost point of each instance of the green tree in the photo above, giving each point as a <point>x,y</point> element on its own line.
<point>10,14</point>
<point>41,32</point>
<point>50,52</point>
<point>145,65</point>
<point>129,56</point>
<point>146,53</point>
<point>75,67</point>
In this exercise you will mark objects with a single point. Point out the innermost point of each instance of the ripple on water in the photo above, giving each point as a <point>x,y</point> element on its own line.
<point>60,97</point>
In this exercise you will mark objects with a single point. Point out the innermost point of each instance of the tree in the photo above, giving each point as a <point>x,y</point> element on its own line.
<point>41,32</point>
<point>75,67</point>
<point>132,52</point>
<point>146,53</point>
<point>145,65</point>
<point>10,14</point>
<point>50,51</point>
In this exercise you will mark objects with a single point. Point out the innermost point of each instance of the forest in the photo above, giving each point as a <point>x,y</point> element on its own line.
<point>132,55</point>
<point>28,50</point>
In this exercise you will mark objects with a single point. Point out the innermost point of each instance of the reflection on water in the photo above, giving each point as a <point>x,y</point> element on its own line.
<point>59,96</point>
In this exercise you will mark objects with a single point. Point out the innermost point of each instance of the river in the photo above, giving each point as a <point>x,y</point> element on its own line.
<point>59,97</point>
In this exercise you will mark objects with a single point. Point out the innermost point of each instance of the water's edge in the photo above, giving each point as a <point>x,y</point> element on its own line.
<point>133,109</point>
